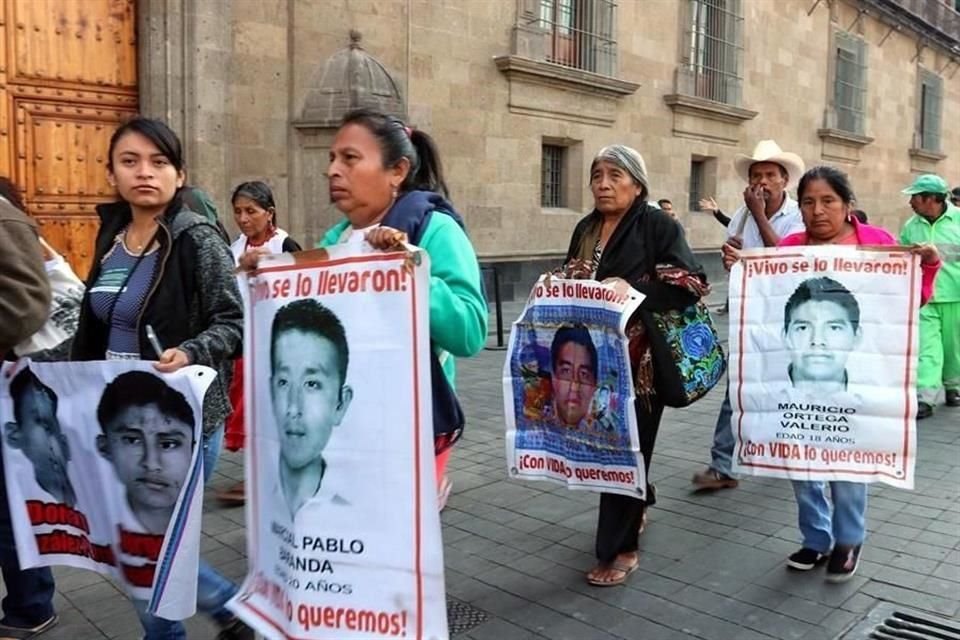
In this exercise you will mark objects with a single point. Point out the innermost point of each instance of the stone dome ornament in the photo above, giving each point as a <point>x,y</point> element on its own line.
<point>350,79</point>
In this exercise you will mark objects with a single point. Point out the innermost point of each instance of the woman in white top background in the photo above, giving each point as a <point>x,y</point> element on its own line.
<point>255,213</point>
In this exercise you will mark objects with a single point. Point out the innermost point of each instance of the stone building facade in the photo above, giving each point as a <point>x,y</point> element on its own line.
<point>521,93</point>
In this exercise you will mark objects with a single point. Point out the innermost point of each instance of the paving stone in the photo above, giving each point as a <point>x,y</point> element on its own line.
<point>712,564</point>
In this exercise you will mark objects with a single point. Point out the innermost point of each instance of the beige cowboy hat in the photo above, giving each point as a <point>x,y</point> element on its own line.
<point>770,151</point>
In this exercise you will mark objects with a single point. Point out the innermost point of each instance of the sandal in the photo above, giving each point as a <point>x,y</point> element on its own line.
<point>24,633</point>
<point>625,568</point>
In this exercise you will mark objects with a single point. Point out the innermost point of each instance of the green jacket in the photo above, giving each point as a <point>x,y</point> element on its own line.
<point>458,310</point>
<point>945,234</point>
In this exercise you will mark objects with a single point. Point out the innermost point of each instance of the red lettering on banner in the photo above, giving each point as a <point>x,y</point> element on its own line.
<point>139,576</point>
<point>62,542</point>
<point>143,545</point>
<point>55,513</point>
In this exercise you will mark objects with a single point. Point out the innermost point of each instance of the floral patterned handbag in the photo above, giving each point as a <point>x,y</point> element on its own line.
<point>688,360</point>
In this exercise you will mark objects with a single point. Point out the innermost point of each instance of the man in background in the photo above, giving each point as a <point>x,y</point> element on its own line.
<point>937,222</point>
<point>768,213</point>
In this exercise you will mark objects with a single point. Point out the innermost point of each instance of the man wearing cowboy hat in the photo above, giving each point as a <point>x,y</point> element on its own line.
<point>768,213</point>
<point>937,221</point>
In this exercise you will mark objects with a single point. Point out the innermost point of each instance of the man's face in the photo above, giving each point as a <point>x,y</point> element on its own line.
<point>667,207</point>
<point>820,338</point>
<point>151,454</point>
<point>308,397</point>
<point>574,381</point>
<point>768,175</point>
<point>925,205</point>
<point>38,435</point>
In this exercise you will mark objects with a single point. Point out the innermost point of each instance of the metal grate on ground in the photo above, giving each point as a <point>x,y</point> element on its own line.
<point>887,621</point>
<point>461,617</point>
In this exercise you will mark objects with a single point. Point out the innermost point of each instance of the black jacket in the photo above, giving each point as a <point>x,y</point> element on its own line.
<point>644,238</point>
<point>193,304</point>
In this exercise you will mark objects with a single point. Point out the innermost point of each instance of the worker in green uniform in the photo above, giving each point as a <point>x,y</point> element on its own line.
<point>937,221</point>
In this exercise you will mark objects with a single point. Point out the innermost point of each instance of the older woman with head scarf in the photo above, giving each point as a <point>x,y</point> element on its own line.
<point>625,238</point>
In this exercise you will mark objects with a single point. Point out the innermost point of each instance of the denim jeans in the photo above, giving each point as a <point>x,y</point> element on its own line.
<point>29,598</point>
<point>213,590</point>
<point>721,454</point>
<point>823,525</point>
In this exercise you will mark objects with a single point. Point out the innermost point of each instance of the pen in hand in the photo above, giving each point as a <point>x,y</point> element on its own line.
<point>154,342</point>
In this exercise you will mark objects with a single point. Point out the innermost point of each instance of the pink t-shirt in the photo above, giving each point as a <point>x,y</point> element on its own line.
<point>865,234</point>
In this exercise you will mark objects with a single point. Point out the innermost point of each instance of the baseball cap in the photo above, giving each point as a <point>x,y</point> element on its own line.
<point>927,183</point>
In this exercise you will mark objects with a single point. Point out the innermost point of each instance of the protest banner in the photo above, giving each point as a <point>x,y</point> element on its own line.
<point>102,468</point>
<point>823,344</point>
<point>568,388</point>
<point>342,521</point>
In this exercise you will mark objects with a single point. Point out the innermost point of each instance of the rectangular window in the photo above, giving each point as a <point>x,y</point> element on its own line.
<point>551,176</point>
<point>931,100</point>
<point>850,82</point>
<point>714,60</point>
<point>697,172</point>
<point>580,33</point>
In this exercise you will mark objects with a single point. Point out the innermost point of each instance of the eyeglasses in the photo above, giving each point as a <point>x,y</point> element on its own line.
<point>581,376</point>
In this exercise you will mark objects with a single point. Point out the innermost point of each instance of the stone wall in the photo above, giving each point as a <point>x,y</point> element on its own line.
<point>240,72</point>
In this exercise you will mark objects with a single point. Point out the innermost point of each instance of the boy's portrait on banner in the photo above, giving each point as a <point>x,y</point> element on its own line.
<point>568,388</point>
<point>148,438</point>
<point>101,467</point>
<point>823,364</point>
<point>339,454</point>
<point>35,430</point>
<point>309,394</point>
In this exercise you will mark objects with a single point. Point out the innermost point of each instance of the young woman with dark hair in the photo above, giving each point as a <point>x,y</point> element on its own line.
<point>161,268</point>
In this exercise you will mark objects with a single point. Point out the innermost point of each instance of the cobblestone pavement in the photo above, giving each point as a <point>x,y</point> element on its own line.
<point>712,566</point>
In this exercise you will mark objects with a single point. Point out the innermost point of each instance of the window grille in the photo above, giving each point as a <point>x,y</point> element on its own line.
<point>696,183</point>
<point>551,179</point>
<point>580,34</point>
<point>715,58</point>
<point>850,83</point>
<point>931,99</point>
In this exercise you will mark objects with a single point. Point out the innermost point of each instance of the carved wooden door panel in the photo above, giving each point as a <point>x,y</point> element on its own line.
<point>68,76</point>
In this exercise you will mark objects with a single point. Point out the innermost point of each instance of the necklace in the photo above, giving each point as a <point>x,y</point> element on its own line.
<point>131,242</point>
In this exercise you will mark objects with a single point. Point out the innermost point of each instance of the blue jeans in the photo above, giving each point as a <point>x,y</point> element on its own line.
<point>823,527</point>
<point>213,590</point>
<point>721,454</point>
<point>29,598</point>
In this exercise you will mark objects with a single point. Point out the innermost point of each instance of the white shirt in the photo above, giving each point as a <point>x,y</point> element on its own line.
<point>785,221</point>
<point>274,244</point>
<point>329,493</point>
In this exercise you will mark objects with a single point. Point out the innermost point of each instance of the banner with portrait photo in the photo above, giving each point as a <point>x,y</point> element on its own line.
<point>343,531</point>
<point>568,388</point>
<point>823,344</point>
<point>103,471</point>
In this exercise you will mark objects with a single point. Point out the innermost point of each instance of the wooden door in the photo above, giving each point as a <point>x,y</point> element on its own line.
<point>68,75</point>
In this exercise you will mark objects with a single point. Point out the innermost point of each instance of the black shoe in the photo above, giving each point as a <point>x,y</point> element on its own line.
<point>26,633</point>
<point>806,559</point>
<point>843,563</point>
<point>924,410</point>
<point>953,398</point>
<point>235,630</point>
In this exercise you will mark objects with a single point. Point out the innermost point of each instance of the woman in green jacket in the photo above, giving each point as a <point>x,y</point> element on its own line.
<point>387,180</point>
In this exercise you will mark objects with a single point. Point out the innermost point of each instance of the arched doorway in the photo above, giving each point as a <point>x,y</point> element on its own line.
<point>68,75</point>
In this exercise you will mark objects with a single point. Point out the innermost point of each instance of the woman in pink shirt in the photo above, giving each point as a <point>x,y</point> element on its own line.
<point>834,533</point>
